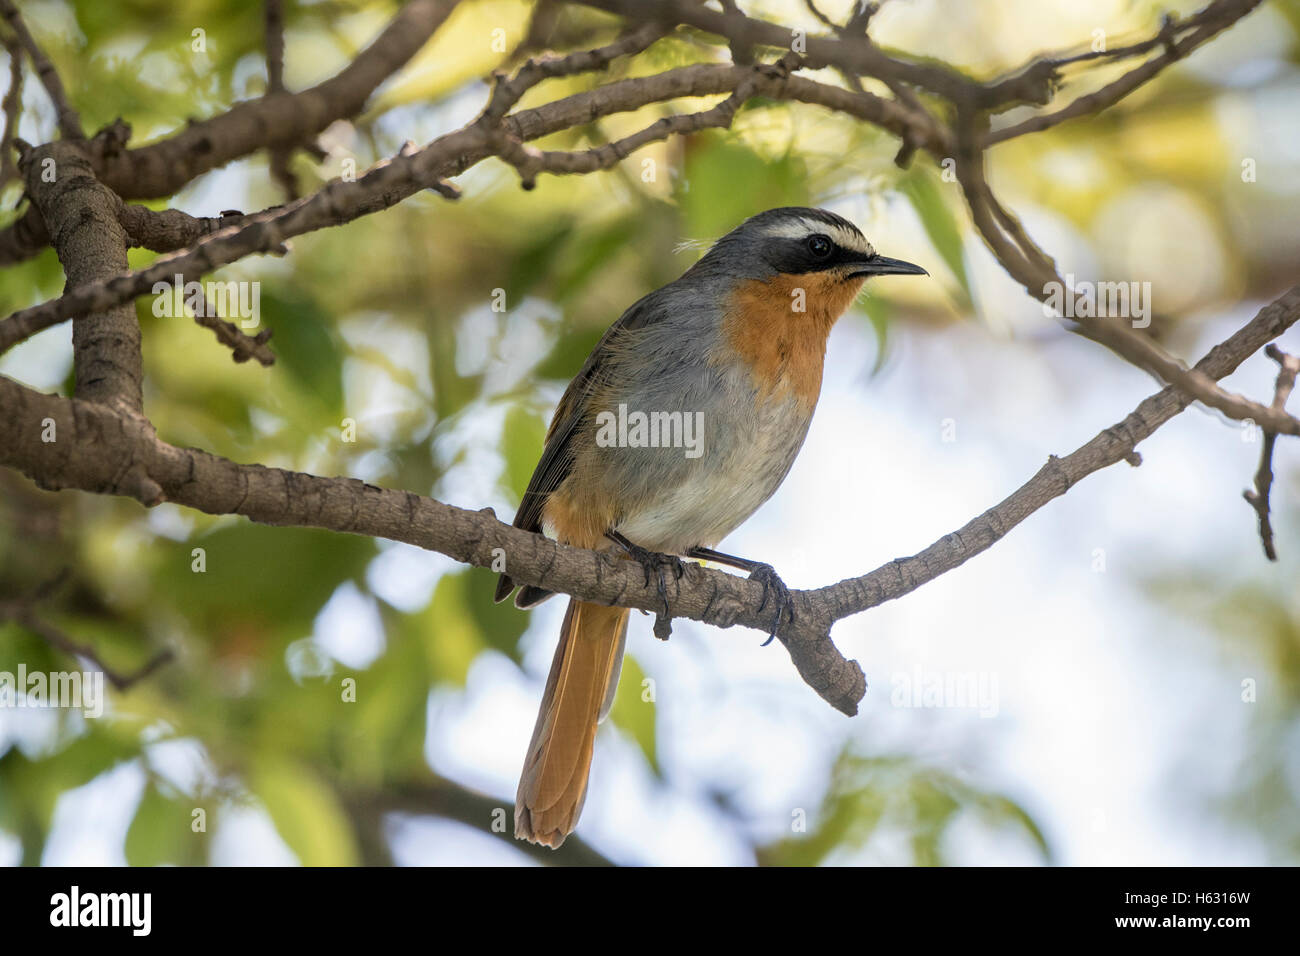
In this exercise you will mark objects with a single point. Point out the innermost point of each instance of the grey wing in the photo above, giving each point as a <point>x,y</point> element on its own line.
<point>558,452</point>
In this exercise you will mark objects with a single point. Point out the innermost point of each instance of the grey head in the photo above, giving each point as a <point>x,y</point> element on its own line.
<point>797,240</point>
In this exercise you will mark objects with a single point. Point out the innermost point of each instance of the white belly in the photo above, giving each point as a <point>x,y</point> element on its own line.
<point>700,502</point>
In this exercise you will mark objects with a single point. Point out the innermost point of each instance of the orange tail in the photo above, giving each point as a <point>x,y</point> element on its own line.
<point>579,692</point>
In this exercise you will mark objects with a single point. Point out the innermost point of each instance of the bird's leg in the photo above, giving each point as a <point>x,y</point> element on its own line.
<point>764,574</point>
<point>651,561</point>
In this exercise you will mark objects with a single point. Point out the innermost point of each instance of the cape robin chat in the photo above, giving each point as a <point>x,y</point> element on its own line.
<point>685,418</point>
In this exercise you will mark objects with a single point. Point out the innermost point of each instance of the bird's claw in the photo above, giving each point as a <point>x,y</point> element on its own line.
<point>653,562</point>
<point>775,589</point>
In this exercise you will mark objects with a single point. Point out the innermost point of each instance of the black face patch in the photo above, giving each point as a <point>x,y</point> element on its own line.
<point>801,256</point>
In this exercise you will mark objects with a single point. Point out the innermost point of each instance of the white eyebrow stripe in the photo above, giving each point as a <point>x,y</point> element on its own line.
<point>851,239</point>
<point>799,228</point>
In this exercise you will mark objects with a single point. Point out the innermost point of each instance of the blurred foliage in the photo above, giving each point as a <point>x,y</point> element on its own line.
<point>1256,638</point>
<point>389,323</point>
<point>874,799</point>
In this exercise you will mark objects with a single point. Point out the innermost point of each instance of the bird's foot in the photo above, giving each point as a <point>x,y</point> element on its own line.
<point>775,590</point>
<point>655,564</point>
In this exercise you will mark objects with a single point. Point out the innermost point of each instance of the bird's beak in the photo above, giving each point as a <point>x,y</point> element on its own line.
<point>884,266</point>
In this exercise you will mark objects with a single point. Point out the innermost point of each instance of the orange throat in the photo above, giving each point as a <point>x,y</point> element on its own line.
<point>779,327</point>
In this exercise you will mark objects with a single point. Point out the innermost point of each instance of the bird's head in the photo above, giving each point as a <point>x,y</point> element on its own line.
<point>792,271</point>
<point>795,241</point>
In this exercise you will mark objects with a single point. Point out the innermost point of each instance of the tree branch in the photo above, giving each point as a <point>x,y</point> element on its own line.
<point>167,230</point>
<point>130,459</point>
<point>82,215</point>
<point>338,202</point>
<point>97,449</point>
<point>1209,22</point>
<point>971,101</point>
<point>286,119</point>
<point>106,446</point>
<point>530,162</point>
<point>242,345</point>
<point>392,181</point>
<point>1059,475</point>
<point>1036,271</point>
<point>854,53</point>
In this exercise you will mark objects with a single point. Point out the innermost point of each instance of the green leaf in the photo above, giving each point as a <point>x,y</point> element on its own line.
<point>632,713</point>
<point>879,312</point>
<point>305,344</point>
<point>257,562</point>
<point>447,629</point>
<point>162,832</point>
<point>899,796</point>
<point>535,261</point>
<point>940,224</point>
<point>570,351</point>
<point>460,622</point>
<point>726,182</point>
<point>36,785</point>
<point>386,729</point>
<point>596,251</point>
<point>306,813</point>
<point>502,624</point>
<point>522,437</point>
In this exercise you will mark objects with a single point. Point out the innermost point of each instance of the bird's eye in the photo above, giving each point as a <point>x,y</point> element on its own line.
<point>820,246</point>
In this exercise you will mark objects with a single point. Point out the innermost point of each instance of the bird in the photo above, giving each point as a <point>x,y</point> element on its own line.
<point>685,418</point>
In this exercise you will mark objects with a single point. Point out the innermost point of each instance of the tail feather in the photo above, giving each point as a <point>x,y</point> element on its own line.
<point>529,596</point>
<point>579,692</point>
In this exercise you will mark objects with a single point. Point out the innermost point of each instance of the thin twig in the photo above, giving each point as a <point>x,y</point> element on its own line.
<point>23,613</point>
<point>274,46</point>
<point>69,121</point>
<point>12,108</point>
<point>1022,258</point>
<point>280,155</point>
<point>530,162</point>
<point>1209,22</point>
<point>1288,369</point>
<point>509,90</point>
<point>242,345</point>
<point>1111,446</point>
<point>541,25</point>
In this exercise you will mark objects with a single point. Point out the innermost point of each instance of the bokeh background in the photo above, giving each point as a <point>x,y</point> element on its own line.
<point>1139,658</point>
